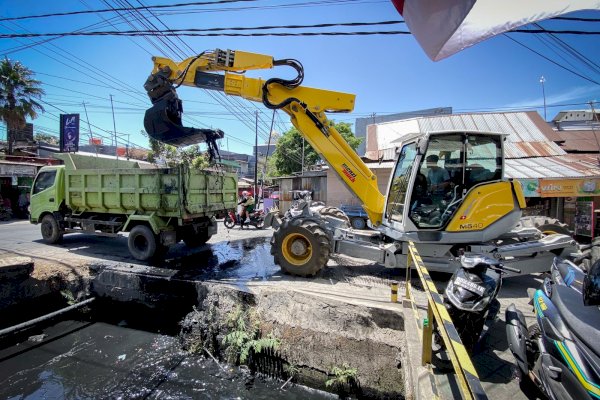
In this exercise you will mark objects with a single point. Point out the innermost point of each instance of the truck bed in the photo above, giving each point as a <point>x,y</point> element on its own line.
<point>168,192</point>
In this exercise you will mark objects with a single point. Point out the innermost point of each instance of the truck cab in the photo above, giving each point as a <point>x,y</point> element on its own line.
<point>47,192</point>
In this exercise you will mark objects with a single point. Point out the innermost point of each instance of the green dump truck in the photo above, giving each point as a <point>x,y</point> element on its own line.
<point>157,206</point>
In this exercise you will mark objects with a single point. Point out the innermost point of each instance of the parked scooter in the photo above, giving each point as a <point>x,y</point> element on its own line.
<point>561,352</point>
<point>256,219</point>
<point>470,296</point>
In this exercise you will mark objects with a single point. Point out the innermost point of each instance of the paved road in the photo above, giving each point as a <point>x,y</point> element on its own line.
<point>23,238</point>
<point>244,256</point>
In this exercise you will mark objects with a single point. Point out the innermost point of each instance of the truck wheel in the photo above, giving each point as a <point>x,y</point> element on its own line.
<point>142,243</point>
<point>196,239</point>
<point>51,232</point>
<point>358,223</point>
<point>334,212</point>
<point>300,247</point>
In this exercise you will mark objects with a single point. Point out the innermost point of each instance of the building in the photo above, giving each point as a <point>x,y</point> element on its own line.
<point>577,131</point>
<point>314,181</point>
<point>243,160</point>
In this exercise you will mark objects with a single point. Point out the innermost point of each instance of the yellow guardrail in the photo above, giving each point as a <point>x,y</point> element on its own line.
<point>468,380</point>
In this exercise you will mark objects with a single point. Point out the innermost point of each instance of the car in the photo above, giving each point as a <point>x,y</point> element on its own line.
<point>357,216</point>
<point>274,195</point>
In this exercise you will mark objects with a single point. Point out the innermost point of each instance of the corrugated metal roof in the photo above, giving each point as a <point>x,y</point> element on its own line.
<point>564,166</point>
<point>525,137</point>
<point>584,140</point>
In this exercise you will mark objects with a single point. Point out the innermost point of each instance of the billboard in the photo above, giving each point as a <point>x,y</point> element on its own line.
<point>69,133</point>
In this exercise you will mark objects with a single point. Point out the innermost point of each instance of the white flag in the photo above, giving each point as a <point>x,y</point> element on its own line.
<point>445,27</point>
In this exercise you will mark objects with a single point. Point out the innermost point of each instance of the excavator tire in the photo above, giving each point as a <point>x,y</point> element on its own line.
<point>300,247</point>
<point>334,212</point>
<point>548,226</point>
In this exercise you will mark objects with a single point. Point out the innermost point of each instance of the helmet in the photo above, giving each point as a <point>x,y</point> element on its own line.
<point>245,193</point>
<point>591,286</point>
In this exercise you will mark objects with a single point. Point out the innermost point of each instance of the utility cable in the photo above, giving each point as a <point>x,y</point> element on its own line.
<point>197,3</point>
<point>552,61</point>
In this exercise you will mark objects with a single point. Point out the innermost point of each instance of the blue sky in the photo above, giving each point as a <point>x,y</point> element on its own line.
<point>388,73</point>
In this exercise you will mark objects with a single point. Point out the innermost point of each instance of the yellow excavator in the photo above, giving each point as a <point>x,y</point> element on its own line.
<point>447,192</point>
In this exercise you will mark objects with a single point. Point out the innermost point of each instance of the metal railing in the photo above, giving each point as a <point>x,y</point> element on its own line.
<point>468,380</point>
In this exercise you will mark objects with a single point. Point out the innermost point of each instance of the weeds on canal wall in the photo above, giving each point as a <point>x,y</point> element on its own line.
<point>344,380</point>
<point>68,296</point>
<point>244,336</point>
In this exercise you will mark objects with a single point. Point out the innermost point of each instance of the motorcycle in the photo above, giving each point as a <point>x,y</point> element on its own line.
<point>561,352</point>
<point>6,214</point>
<point>256,219</point>
<point>471,296</point>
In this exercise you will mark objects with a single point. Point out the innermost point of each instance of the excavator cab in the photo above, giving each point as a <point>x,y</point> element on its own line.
<point>434,174</point>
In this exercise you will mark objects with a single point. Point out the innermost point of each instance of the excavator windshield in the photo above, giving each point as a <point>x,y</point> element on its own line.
<point>452,164</point>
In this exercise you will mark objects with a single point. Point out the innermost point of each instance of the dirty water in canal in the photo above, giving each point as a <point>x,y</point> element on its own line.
<point>240,260</point>
<point>103,354</point>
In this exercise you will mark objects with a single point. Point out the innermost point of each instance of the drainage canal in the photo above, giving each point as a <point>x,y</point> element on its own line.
<point>110,350</point>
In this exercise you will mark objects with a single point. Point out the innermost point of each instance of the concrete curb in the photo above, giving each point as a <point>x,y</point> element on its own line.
<point>420,383</point>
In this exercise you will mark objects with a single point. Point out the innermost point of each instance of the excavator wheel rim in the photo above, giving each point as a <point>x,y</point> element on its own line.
<point>291,243</point>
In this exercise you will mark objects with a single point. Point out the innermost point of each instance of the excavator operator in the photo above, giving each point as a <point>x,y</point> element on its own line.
<point>247,203</point>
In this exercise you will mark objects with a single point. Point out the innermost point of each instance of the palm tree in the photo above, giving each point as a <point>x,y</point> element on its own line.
<point>18,94</point>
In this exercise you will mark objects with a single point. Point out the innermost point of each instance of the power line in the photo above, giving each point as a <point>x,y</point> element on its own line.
<point>552,61</point>
<point>198,3</point>
<point>192,34</point>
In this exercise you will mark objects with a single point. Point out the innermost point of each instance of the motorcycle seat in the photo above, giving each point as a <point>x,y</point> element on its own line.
<point>583,321</point>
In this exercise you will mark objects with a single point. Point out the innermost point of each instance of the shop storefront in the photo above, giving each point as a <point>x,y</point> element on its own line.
<point>15,183</point>
<point>573,201</point>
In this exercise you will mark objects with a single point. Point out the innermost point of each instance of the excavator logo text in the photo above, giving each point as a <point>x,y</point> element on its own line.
<point>470,226</point>
<point>348,172</point>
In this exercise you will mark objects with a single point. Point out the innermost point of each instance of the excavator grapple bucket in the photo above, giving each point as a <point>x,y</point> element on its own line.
<point>163,123</point>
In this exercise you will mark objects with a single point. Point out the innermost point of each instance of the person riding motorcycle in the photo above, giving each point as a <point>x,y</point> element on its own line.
<point>247,203</point>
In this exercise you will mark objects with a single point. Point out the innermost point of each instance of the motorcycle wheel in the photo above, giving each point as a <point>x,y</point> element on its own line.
<point>228,222</point>
<point>259,223</point>
<point>469,326</point>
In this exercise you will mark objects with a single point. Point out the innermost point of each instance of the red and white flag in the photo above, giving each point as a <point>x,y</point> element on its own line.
<point>445,27</point>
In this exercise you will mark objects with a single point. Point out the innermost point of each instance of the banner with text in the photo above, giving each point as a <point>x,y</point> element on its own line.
<point>69,133</point>
<point>569,187</point>
<point>531,187</point>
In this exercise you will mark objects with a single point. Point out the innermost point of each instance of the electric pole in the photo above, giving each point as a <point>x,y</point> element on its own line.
<point>114,125</point>
<point>256,162</point>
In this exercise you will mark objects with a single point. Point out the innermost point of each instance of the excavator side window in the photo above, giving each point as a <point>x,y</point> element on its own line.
<point>397,195</point>
<point>484,160</point>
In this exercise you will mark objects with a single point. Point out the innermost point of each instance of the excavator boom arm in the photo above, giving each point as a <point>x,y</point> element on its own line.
<point>305,106</point>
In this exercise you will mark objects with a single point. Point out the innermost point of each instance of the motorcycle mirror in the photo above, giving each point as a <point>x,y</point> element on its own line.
<point>591,286</point>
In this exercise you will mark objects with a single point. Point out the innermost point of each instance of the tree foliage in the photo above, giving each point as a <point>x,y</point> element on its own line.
<point>19,93</point>
<point>287,157</point>
<point>45,137</point>
<point>171,156</point>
